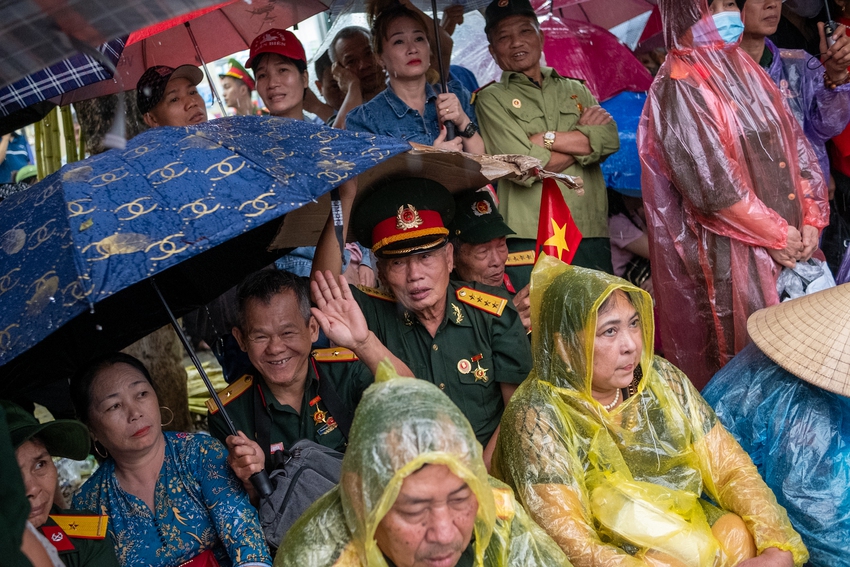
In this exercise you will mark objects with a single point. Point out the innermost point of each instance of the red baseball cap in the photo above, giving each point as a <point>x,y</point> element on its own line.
<point>282,42</point>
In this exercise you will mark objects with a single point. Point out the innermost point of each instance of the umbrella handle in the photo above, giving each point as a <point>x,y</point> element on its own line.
<point>260,479</point>
<point>450,126</point>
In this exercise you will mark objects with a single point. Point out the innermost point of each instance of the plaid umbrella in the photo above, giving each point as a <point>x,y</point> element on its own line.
<point>73,73</point>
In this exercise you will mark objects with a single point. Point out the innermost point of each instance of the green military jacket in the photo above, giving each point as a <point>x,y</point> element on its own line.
<point>511,110</point>
<point>79,538</point>
<point>481,342</point>
<point>312,421</point>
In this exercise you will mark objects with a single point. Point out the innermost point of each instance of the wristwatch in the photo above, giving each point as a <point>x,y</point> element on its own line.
<point>549,140</point>
<point>470,130</point>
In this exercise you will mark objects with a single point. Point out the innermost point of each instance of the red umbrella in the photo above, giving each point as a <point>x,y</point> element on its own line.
<point>604,13</point>
<point>584,51</point>
<point>218,31</point>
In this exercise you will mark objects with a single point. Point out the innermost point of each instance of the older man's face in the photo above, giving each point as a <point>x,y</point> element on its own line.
<point>516,44</point>
<point>355,54</point>
<point>484,263</point>
<point>419,282</point>
<point>431,521</point>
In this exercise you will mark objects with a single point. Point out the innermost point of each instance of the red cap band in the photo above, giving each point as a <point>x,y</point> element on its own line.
<point>407,225</point>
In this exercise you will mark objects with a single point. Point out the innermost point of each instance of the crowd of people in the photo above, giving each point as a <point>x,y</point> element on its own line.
<point>487,408</point>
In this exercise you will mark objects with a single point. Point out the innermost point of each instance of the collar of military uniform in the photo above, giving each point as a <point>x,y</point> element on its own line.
<point>399,106</point>
<point>547,72</point>
<point>311,390</point>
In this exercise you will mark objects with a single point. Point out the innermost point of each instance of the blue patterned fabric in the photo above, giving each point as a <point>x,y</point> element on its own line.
<point>72,73</point>
<point>98,226</point>
<point>199,505</point>
<point>388,115</point>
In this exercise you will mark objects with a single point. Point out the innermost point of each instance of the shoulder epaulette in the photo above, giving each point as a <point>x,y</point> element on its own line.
<point>479,89</point>
<point>84,526</point>
<point>504,503</point>
<point>378,293</point>
<point>524,258</point>
<point>334,355</point>
<point>231,392</point>
<point>488,302</point>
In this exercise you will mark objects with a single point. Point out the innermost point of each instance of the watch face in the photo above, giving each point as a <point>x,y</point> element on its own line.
<point>549,136</point>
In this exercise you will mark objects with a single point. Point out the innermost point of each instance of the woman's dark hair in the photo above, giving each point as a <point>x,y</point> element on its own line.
<point>382,22</point>
<point>82,381</point>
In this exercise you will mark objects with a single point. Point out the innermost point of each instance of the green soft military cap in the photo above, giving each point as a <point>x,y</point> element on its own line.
<point>477,220</point>
<point>67,438</point>
<point>403,216</point>
<point>498,10</point>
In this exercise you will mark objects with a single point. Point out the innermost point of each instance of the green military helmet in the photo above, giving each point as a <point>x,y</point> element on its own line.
<point>477,220</point>
<point>403,216</point>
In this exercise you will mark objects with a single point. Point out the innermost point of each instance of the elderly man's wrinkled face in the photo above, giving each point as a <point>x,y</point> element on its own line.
<point>419,282</point>
<point>516,43</point>
<point>431,521</point>
<point>355,54</point>
<point>484,263</point>
<point>39,476</point>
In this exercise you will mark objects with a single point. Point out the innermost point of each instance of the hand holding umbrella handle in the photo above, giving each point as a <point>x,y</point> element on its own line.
<point>450,130</point>
<point>260,480</point>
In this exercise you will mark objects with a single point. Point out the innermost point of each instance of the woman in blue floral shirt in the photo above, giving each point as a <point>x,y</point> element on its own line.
<point>171,498</point>
<point>409,107</point>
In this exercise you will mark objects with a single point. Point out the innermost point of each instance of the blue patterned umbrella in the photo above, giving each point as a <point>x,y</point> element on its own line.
<point>192,206</point>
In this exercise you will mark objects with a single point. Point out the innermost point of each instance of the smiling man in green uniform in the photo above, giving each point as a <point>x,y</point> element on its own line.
<point>461,336</point>
<point>294,392</point>
<point>534,111</point>
<point>79,537</point>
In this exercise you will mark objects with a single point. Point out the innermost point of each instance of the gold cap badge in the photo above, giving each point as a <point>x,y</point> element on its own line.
<point>407,218</point>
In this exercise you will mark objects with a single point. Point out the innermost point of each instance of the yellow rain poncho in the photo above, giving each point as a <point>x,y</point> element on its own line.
<point>401,425</point>
<point>626,487</point>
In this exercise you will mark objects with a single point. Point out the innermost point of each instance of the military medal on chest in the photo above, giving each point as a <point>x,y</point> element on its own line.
<point>479,372</point>
<point>324,423</point>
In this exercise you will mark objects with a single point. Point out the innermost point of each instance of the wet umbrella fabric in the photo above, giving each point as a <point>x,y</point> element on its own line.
<point>192,206</point>
<point>603,13</point>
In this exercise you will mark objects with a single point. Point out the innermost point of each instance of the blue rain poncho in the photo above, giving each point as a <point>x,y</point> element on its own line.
<point>798,436</point>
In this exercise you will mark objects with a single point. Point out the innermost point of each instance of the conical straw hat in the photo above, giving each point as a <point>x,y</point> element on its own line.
<point>809,337</point>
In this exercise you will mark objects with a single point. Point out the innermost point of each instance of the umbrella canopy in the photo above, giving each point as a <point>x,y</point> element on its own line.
<point>577,49</point>
<point>603,13</point>
<point>220,30</point>
<point>195,207</point>
<point>19,102</point>
<point>338,7</point>
<point>35,34</point>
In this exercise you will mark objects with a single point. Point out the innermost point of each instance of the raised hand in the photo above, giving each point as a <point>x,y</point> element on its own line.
<point>337,312</point>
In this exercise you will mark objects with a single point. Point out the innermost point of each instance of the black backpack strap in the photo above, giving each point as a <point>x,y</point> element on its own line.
<point>262,427</point>
<point>341,413</point>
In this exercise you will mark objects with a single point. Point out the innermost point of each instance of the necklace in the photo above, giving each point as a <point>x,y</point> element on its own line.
<point>610,406</point>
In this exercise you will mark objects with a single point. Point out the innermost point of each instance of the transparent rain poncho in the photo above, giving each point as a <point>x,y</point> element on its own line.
<point>627,487</point>
<point>726,169</point>
<point>401,425</point>
<point>798,435</point>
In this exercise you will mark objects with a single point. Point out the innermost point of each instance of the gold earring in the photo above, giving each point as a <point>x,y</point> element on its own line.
<point>97,450</point>
<point>170,419</point>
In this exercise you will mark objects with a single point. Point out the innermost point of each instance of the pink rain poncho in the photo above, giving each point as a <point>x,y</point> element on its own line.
<point>726,170</point>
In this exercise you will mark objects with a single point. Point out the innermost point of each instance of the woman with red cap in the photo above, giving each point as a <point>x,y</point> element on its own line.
<point>279,64</point>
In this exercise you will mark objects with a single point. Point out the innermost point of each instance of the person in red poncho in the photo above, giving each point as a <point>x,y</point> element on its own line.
<point>732,190</point>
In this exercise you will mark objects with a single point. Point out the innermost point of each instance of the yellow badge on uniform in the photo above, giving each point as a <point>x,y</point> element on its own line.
<point>517,103</point>
<point>488,302</point>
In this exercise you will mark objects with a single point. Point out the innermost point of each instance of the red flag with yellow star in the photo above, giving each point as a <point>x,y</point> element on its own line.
<point>557,233</point>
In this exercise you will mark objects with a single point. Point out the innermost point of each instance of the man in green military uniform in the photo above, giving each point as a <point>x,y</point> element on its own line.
<point>478,234</point>
<point>79,537</point>
<point>293,392</point>
<point>534,111</point>
<point>458,335</point>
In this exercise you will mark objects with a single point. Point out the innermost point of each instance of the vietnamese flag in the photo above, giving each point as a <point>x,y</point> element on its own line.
<point>557,233</point>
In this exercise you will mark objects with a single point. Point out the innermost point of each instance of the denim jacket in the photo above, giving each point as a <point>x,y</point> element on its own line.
<point>388,115</point>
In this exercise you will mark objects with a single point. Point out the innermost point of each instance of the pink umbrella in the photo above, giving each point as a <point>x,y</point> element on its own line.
<point>604,13</point>
<point>584,51</point>
<point>203,35</point>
